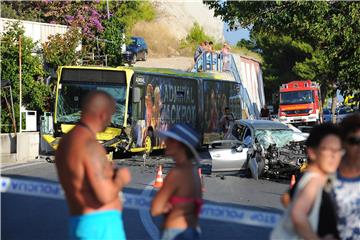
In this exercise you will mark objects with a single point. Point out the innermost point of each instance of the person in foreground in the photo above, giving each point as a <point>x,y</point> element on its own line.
<point>90,183</point>
<point>180,198</point>
<point>301,218</point>
<point>346,187</point>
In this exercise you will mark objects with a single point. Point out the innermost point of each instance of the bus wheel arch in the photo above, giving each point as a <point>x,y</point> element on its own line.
<point>149,140</point>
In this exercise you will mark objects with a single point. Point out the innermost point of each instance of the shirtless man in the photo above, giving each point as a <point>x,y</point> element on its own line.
<point>91,184</point>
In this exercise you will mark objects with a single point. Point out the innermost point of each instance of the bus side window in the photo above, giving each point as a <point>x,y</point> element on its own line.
<point>136,103</point>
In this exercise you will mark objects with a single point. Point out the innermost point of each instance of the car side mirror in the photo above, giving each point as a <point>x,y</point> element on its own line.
<point>239,149</point>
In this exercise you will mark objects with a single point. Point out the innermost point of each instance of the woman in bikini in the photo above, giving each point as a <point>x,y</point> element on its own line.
<point>180,198</point>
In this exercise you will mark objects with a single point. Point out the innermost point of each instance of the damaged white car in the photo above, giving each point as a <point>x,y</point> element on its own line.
<point>260,147</point>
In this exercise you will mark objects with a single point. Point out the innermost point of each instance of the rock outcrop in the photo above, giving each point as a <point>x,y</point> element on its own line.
<point>179,17</point>
<point>173,22</point>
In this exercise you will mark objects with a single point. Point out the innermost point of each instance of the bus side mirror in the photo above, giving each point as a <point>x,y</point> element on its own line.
<point>136,94</point>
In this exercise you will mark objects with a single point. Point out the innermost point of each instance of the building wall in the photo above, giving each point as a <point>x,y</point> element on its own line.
<point>36,30</point>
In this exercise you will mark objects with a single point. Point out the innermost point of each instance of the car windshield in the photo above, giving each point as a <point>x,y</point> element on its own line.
<point>296,97</point>
<point>134,42</point>
<point>280,137</point>
<point>71,95</point>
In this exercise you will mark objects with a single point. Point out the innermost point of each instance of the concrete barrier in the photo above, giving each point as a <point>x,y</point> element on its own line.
<point>19,147</point>
<point>8,147</point>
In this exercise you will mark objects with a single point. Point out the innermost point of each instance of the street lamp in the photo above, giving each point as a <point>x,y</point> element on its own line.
<point>20,88</point>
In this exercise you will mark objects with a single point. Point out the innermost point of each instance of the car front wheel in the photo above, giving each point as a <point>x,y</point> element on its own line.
<point>134,58</point>
<point>145,56</point>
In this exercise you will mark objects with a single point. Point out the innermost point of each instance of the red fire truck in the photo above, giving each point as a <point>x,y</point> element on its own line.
<point>300,103</point>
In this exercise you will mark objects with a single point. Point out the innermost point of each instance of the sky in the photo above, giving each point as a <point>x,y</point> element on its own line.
<point>232,37</point>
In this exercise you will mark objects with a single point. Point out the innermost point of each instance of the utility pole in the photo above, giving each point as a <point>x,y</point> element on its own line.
<point>20,83</point>
<point>107,9</point>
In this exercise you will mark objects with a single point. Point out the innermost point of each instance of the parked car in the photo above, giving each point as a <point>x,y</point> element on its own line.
<point>259,147</point>
<point>327,115</point>
<point>136,50</point>
<point>342,113</point>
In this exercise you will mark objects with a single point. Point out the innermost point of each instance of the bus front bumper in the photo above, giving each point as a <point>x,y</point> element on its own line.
<point>310,119</point>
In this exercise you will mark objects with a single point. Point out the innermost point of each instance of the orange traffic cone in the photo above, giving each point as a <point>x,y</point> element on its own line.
<point>159,180</point>
<point>201,179</point>
<point>292,182</point>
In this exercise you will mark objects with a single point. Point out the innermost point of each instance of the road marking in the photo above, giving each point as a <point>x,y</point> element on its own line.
<point>32,188</point>
<point>12,167</point>
<point>142,203</point>
<point>145,216</point>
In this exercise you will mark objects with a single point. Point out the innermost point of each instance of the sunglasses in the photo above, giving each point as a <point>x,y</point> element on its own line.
<point>353,140</point>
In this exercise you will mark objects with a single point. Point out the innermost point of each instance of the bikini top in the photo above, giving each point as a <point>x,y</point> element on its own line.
<point>197,201</point>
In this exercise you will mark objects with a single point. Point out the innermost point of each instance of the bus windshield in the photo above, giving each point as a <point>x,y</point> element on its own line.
<point>296,97</point>
<point>71,95</point>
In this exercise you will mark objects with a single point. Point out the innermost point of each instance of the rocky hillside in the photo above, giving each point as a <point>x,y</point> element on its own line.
<point>173,21</point>
<point>180,17</point>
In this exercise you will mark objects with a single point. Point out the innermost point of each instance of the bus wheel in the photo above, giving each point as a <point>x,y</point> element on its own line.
<point>148,145</point>
<point>134,58</point>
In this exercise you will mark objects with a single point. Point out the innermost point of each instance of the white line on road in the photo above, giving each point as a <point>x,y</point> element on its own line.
<point>12,167</point>
<point>145,217</point>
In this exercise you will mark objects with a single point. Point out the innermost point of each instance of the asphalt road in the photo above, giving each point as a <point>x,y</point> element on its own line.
<point>27,217</point>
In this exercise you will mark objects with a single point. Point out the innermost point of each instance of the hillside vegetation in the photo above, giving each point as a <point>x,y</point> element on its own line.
<point>162,43</point>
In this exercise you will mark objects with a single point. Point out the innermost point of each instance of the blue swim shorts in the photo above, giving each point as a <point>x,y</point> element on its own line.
<point>101,225</point>
<point>181,234</point>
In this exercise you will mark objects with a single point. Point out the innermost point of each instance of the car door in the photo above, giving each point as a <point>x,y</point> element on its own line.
<point>226,154</point>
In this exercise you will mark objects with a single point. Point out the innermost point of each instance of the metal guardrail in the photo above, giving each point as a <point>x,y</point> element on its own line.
<point>218,62</point>
<point>209,61</point>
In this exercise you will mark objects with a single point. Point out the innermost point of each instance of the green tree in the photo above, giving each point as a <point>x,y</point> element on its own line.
<point>35,94</point>
<point>61,49</point>
<point>280,55</point>
<point>98,32</point>
<point>123,17</point>
<point>23,10</point>
<point>113,37</point>
<point>331,28</point>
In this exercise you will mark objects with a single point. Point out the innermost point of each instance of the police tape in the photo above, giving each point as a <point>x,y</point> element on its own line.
<point>137,202</point>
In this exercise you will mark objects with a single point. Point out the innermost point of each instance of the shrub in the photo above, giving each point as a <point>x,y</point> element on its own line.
<point>195,36</point>
<point>35,94</point>
<point>61,49</point>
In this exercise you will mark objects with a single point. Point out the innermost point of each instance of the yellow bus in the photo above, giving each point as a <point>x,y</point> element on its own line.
<point>147,99</point>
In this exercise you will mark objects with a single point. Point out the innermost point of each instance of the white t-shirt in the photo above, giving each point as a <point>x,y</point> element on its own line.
<point>346,192</point>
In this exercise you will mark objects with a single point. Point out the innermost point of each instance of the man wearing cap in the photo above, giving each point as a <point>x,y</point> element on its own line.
<point>180,198</point>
